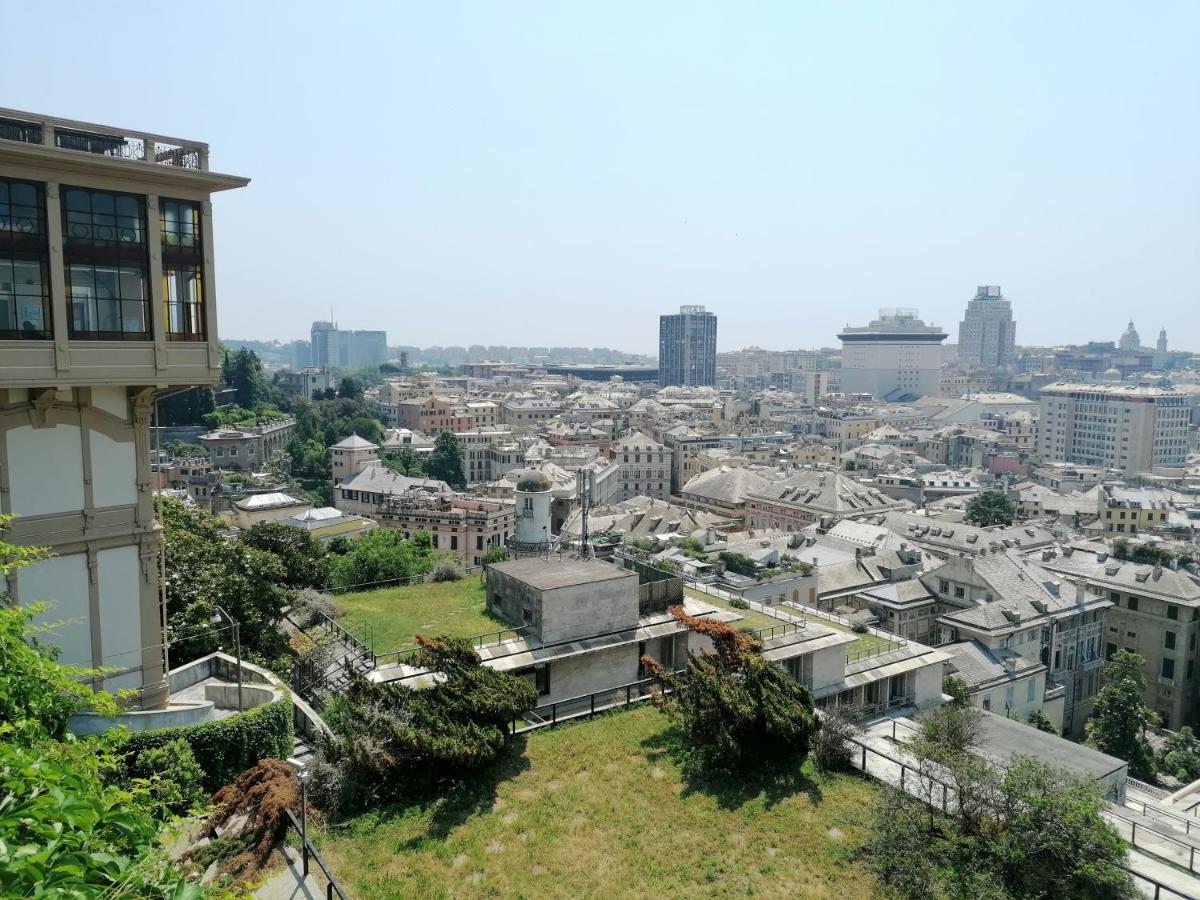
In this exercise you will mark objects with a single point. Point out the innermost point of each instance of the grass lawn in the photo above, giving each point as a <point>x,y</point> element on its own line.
<point>863,643</point>
<point>394,615</point>
<point>752,619</point>
<point>600,809</point>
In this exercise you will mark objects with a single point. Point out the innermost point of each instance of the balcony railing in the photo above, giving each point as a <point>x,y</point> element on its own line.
<point>115,143</point>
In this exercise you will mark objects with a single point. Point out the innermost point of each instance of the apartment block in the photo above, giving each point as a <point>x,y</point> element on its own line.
<point>468,526</point>
<point>644,467</point>
<point>1155,613</point>
<point>107,300</point>
<point>1131,428</point>
<point>248,448</point>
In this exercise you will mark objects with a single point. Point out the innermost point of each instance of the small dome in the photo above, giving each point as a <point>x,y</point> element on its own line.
<point>532,481</point>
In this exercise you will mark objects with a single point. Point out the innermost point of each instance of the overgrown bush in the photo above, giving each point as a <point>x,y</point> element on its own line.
<point>389,737</point>
<point>66,830</point>
<point>738,603</point>
<point>226,747</point>
<point>448,568</point>
<point>308,606</point>
<point>734,707</point>
<point>858,627</point>
<point>173,776</point>
<point>831,747</point>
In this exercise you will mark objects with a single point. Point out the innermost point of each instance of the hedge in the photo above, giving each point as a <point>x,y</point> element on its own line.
<point>226,747</point>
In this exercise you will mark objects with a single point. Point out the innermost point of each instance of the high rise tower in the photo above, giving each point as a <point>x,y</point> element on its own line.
<point>1162,341</point>
<point>987,333</point>
<point>687,347</point>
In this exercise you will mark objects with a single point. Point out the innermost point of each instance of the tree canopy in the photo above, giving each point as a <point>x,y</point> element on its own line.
<point>990,508</point>
<point>734,707</point>
<point>445,463</point>
<point>1120,718</point>
<point>383,554</point>
<point>1024,831</point>
<point>388,736</point>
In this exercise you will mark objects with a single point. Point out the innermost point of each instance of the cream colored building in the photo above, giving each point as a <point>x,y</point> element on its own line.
<point>1115,426</point>
<point>106,300</point>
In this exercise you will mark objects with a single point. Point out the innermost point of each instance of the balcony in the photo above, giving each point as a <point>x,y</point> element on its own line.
<point>83,137</point>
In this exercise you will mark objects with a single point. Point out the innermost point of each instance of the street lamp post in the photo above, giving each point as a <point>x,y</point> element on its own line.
<point>237,650</point>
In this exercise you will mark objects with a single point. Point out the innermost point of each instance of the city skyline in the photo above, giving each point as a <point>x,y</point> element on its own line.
<point>797,167</point>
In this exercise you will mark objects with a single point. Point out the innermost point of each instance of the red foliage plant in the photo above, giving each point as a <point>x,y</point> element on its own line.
<point>256,806</point>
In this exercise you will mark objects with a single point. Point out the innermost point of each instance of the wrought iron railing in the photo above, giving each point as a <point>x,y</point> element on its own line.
<point>83,137</point>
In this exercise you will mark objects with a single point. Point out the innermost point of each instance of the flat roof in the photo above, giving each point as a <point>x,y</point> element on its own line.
<point>1001,739</point>
<point>549,573</point>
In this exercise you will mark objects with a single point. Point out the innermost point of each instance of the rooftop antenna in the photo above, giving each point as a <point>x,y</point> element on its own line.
<point>585,502</point>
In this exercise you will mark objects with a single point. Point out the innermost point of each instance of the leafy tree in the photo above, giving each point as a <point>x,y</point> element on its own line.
<point>186,408</point>
<point>243,371</point>
<point>494,555</point>
<point>1038,720</point>
<point>302,555</point>
<point>67,830</point>
<point>405,461</point>
<point>349,388</point>
<point>990,508</point>
<point>1028,831</point>
<point>738,563</point>
<point>388,736</point>
<point>382,555</point>
<point>734,707</point>
<point>204,570</point>
<point>446,461</point>
<point>184,450</point>
<point>1181,755</point>
<point>1120,719</point>
<point>959,690</point>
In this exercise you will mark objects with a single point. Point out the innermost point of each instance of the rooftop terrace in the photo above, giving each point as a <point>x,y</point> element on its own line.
<point>104,140</point>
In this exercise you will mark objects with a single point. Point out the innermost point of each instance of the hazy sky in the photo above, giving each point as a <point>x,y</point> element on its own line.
<point>561,173</point>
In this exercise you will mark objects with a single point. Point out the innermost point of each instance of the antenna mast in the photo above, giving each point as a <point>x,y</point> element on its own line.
<point>585,503</point>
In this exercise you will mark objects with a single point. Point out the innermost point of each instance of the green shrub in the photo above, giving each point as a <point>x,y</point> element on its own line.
<point>226,747</point>
<point>738,603</point>
<point>174,777</point>
<point>448,568</point>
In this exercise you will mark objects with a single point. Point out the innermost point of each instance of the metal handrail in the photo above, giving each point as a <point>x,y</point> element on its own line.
<point>308,851</point>
<point>591,708</point>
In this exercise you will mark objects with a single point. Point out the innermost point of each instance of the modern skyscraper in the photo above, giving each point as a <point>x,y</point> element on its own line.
<point>324,344</point>
<point>896,357</point>
<point>349,349</point>
<point>987,333</point>
<point>687,347</point>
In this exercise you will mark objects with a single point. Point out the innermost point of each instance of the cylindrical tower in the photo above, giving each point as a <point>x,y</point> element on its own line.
<point>533,496</point>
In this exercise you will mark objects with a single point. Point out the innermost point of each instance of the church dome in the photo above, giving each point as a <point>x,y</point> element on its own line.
<point>532,481</point>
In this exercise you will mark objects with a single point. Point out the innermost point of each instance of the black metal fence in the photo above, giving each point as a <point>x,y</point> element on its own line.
<point>584,706</point>
<point>309,852</point>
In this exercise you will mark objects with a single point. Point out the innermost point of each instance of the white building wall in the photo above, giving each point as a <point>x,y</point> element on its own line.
<point>45,467</point>
<point>62,584</point>
<point>117,574</point>
<point>114,470</point>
